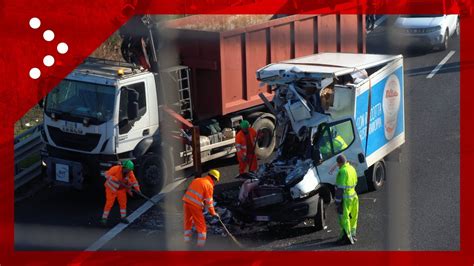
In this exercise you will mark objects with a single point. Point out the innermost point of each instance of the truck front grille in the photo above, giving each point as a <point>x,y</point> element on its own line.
<point>85,142</point>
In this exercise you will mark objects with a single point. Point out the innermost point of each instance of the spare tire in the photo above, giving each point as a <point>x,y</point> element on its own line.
<point>266,142</point>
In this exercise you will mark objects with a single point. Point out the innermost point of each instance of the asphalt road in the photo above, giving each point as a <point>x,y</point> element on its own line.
<point>418,208</point>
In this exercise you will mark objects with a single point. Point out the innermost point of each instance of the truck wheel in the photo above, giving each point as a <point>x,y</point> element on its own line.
<point>153,173</point>
<point>267,140</point>
<point>320,218</point>
<point>376,177</point>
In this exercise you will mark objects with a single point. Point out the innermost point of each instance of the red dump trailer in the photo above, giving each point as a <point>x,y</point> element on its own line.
<point>224,52</point>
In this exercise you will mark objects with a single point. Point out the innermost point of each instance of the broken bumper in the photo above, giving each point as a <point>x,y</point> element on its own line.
<point>293,211</point>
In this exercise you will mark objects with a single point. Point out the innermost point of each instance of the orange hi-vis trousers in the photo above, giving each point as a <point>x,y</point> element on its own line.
<point>193,215</point>
<point>244,166</point>
<point>110,196</point>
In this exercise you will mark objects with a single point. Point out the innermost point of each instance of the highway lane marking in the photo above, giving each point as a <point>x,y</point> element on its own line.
<point>377,23</point>
<point>440,65</point>
<point>132,217</point>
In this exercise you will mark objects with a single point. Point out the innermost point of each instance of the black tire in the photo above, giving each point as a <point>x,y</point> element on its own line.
<point>444,45</point>
<point>377,175</point>
<point>154,171</point>
<point>267,142</point>
<point>320,218</point>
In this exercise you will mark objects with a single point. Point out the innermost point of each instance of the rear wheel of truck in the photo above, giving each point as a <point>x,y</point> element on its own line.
<point>376,176</point>
<point>153,173</point>
<point>320,218</point>
<point>266,142</point>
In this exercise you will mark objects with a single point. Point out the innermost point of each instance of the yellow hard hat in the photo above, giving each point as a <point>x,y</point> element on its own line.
<point>214,173</point>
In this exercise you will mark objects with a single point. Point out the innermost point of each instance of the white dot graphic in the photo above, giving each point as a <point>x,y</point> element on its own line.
<point>48,60</point>
<point>35,23</point>
<point>35,73</point>
<point>48,35</point>
<point>62,48</point>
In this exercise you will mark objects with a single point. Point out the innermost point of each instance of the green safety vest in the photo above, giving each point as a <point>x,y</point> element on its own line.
<point>338,143</point>
<point>347,180</point>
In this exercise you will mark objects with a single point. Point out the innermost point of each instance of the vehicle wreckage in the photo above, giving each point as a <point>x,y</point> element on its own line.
<point>326,104</point>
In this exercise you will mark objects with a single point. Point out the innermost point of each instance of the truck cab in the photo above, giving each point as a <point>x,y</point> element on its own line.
<point>106,111</point>
<point>95,117</point>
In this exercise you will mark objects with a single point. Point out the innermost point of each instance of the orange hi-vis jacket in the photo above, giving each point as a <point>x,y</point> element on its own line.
<point>245,143</point>
<point>116,181</point>
<point>200,193</point>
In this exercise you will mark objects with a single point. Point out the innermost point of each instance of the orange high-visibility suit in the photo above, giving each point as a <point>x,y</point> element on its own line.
<point>245,146</point>
<point>117,186</point>
<point>198,195</point>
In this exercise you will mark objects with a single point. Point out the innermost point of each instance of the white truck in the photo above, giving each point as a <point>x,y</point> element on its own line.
<point>325,104</point>
<point>106,111</point>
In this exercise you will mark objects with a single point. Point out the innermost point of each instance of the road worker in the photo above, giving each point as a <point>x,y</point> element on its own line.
<point>120,181</point>
<point>347,202</point>
<point>197,197</point>
<point>245,142</point>
<point>338,145</point>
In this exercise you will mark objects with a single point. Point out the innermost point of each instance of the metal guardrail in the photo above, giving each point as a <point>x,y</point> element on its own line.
<point>27,146</point>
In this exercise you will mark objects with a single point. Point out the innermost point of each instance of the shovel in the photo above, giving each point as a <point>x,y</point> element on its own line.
<point>231,236</point>
<point>145,197</point>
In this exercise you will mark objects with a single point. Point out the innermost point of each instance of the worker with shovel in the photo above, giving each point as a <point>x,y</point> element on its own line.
<point>120,181</point>
<point>198,196</point>
<point>245,142</point>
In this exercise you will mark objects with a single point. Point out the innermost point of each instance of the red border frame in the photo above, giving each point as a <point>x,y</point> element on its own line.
<point>112,14</point>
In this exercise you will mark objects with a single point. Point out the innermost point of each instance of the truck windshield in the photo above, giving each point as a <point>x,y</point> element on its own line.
<point>76,100</point>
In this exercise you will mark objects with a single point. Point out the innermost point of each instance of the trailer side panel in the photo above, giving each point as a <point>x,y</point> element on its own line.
<point>227,54</point>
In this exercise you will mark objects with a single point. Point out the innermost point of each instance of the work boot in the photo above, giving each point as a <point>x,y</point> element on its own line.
<point>124,221</point>
<point>103,221</point>
<point>354,238</point>
<point>344,240</point>
<point>353,234</point>
<point>351,240</point>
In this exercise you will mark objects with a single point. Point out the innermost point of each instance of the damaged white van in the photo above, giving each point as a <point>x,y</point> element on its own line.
<point>326,104</point>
